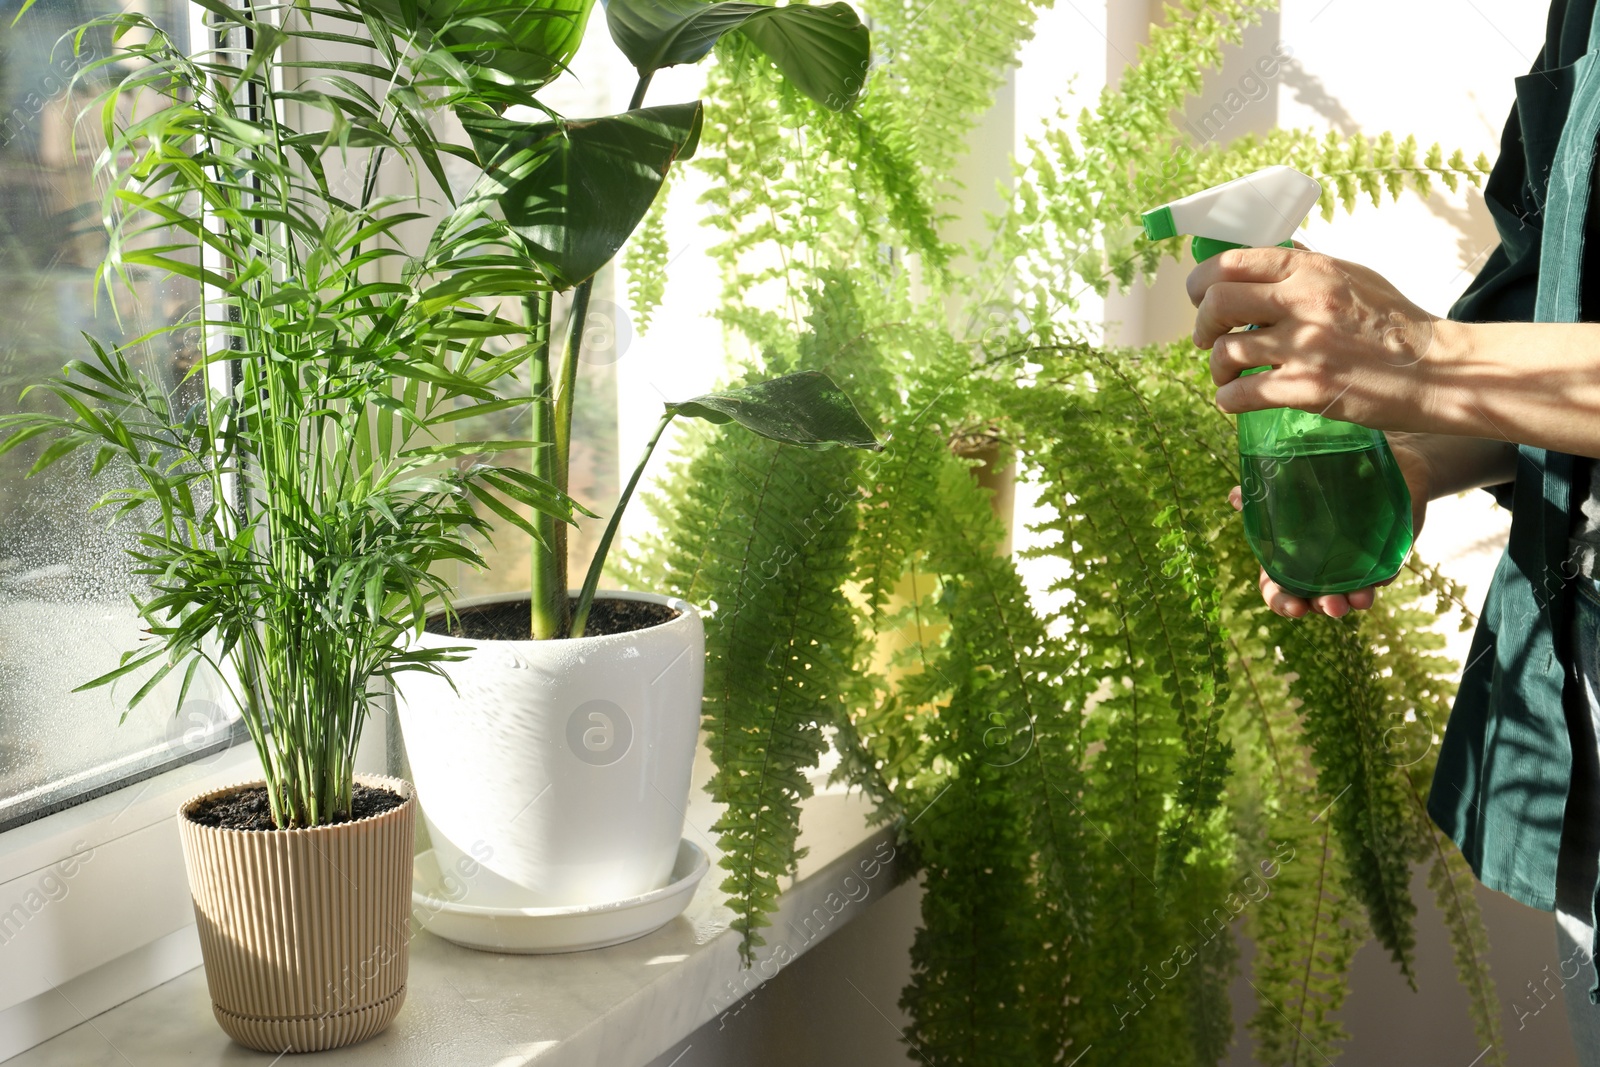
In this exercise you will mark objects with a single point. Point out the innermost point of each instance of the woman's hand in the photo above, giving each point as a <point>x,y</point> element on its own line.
<point>1417,469</point>
<point>1344,343</point>
<point>1341,340</point>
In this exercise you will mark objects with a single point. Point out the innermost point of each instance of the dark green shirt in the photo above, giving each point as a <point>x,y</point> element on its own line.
<point>1505,764</point>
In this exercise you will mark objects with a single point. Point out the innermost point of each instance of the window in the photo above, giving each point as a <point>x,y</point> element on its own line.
<point>65,608</point>
<point>66,613</point>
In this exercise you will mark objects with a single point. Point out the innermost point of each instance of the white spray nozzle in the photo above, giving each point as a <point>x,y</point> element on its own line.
<point>1257,210</point>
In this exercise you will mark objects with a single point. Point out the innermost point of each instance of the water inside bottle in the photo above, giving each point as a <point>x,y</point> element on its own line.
<point>1327,521</point>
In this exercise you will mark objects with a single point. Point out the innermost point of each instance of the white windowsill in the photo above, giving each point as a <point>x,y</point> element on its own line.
<point>621,1006</point>
<point>32,846</point>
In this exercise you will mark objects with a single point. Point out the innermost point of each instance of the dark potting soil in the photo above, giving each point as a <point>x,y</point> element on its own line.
<point>247,809</point>
<point>509,622</point>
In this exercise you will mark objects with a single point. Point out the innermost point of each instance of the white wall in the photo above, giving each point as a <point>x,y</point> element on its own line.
<point>1441,70</point>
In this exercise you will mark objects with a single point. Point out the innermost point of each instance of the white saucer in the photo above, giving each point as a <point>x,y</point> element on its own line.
<point>539,930</point>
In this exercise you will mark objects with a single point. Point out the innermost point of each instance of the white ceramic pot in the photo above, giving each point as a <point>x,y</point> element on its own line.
<point>559,769</point>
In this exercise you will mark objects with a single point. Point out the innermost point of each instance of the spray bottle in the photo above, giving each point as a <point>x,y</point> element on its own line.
<point>1326,509</point>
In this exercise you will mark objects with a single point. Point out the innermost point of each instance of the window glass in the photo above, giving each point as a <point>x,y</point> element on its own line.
<point>66,611</point>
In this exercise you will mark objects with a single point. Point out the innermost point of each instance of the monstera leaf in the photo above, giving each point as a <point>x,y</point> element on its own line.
<point>823,51</point>
<point>575,190</point>
<point>805,409</point>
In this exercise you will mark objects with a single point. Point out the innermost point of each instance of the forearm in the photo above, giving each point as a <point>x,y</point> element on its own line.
<point>1457,464</point>
<point>1533,383</point>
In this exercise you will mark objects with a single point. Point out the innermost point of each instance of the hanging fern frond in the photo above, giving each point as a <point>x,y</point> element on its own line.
<point>1073,226</point>
<point>971,955</point>
<point>1306,930</point>
<point>941,62</point>
<point>764,535</point>
<point>994,708</point>
<point>1418,687</point>
<point>1350,168</point>
<point>1365,793</point>
<point>646,259</point>
<point>1306,933</point>
<point>1451,880</point>
<point>1189,569</point>
<point>1095,437</point>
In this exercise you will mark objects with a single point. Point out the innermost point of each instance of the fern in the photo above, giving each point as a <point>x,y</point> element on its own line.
<point>1371,732</point>
<point>1306,933</point>
<point>970,957</point>
<point>1451,880</point>
<point>1141,681</point>
<point>646,259</point>
<point>1189,568</point>
<point>992,711</point>
<point>1307,930</point>
<point>1074,223</point>
<point>1418,692</point>
<point>1101,789</point>
<point>1365,794</point>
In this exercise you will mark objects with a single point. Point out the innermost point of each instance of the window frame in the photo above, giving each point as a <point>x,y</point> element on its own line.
<point>68,792</point>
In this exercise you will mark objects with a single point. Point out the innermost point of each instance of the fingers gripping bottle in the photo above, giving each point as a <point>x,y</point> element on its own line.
<point>1326,509</point>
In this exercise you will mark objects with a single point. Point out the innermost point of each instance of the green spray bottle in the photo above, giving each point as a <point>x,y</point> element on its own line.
<point>1326,509</point>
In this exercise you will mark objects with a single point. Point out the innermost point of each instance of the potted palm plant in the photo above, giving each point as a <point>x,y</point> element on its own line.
<point>564,740</point>
<point>297,493</point>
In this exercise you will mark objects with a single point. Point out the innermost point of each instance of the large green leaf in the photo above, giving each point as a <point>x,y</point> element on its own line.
<point>517,46</point>
<point>525,44</point>
<point>823,51</point>
<point>804,409</point>
<point>575,190</point>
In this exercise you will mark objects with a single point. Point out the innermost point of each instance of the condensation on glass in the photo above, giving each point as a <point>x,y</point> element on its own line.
<point>66,611</point>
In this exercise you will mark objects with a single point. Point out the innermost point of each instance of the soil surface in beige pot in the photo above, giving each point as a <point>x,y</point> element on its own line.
<point>305,932</point>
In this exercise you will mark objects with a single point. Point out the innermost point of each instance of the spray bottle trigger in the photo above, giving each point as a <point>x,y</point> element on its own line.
<point>1205,247</point>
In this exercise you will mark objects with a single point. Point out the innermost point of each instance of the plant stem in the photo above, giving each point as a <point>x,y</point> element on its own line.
<point>639,90</point>
<point>566,384</point>
<point>577,322</point>
<point>549,578</point>
<point>591,581</point>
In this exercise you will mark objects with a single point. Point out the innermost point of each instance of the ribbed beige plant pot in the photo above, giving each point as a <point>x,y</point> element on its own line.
<point>304,933</point>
